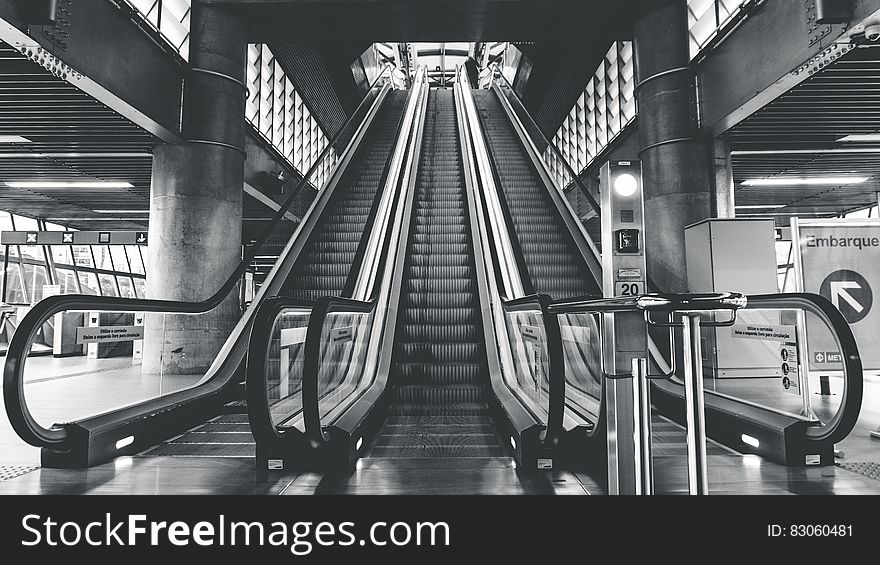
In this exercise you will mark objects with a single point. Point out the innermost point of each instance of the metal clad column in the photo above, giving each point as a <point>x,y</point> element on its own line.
<point>196,199</point>
<point>675,164</point>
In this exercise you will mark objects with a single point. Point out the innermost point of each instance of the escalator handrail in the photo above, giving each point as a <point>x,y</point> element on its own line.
<point>17,410</point>
<point>257,387</point>
<point>360,253</point>
<point>310,393</point>
<point>556,405</point>
<point>577,180</point>
<point>847,414</point>
<point>555,359</point>
<point>516,247</point>
<point>259,411</point>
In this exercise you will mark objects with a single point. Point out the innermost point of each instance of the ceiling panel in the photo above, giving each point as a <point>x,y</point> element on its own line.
<point>798,134</point>
<point>72,138</point>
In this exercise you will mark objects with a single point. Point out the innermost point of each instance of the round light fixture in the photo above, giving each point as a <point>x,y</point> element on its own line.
<point>626,184</point>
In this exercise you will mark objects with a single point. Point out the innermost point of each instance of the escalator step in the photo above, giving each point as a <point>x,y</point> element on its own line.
<point>325,262</point>
<point>439,378</point>
<point>447,373</point>
<point>555,266</point>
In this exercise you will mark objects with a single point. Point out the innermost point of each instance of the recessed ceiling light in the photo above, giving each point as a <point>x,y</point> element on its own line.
<point>760,206</point>
<point>13,139</point>
<point>68,184</point>
<point>862,137</point>
<point>804,181</point>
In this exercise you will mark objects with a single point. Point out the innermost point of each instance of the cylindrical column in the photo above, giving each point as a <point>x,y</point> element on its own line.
<point>196,198</point>
<point>695,412</point>
<point>725,200</point>
<point>675,163</point>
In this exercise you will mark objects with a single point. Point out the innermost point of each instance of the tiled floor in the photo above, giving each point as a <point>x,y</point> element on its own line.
<point>66,389</point>
<point>60,390</point>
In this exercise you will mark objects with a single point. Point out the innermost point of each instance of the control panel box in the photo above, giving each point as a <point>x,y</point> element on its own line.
<point>737,255</point>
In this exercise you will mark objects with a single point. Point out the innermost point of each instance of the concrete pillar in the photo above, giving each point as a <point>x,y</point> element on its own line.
<point>196,199</point>
<point>724,199</point>
<point>675,163</point>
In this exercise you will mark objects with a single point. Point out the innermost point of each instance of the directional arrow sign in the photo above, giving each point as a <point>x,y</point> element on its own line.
<point>839,291</point>
<point>849,292</point>
<point>840,259</point>
<point>141,238</point>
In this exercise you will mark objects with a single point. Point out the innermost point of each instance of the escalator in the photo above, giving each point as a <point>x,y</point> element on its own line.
<point>317,260</point>
<point>552,261</point>
<point>439,398</point>
<point>325,263</point>
<point>558,258</point>
<point>323,268</point>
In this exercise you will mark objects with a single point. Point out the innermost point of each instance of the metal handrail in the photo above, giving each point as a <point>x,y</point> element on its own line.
<point>653,302</point>
<point>13,372</point>
<point>850,404</point>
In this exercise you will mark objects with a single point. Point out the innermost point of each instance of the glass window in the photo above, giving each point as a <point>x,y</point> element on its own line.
<point>34,252</point>
<point>14,285</point>
<point>120,262</point>
<point>140,287</point>
<point>102,257</point>
<point>6,221</point>
<point>61,254</point>
<point>23,223</point>
<point>82,254</point>
<point>134,259</point>
<point>89,282</point>
<point>34,279</point>
<point>67,281</point>
<point>126,288</point>
<point>108,285</point>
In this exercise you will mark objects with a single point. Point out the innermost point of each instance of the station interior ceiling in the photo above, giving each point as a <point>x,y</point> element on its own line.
<point>72,137</point>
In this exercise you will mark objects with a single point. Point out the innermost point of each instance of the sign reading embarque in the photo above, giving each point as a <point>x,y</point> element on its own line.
<point>840,259</point>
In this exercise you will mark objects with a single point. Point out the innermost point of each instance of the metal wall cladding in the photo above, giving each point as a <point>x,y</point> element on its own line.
<point>303,63</point>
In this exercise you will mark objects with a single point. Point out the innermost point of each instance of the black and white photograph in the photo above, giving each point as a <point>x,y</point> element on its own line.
<point>419,263</point>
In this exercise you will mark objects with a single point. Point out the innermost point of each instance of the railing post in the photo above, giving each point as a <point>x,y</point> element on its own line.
<point>698,482</point>
<point>642,427</point>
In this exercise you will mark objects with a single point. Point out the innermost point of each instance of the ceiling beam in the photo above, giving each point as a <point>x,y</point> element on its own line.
<point>736,78</point>
<point>114,61</point>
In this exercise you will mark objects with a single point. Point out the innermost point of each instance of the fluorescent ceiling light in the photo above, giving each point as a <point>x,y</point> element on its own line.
<point>804,181</point>
<point>845,150</point>
<point>122,211</point>
<point>68,184</point>
<point>864,138</point>
<point>757,206</point>
<point>13,139</point>
<point>787,213</point>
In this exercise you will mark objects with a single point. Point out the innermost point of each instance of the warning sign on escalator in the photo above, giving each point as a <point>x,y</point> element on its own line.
<point>788,359</point>
<point>105,334</point>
